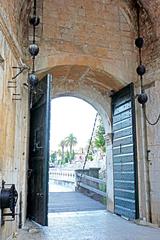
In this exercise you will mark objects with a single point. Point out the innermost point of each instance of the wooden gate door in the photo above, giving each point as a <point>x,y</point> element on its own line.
<point>124,153</point>
<point>39,153</point>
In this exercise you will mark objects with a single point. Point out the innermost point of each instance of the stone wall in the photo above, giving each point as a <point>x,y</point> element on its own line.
<point>151,59</point>
<point>15,15</point>
<point>98,34</point>
<point>13,116</point>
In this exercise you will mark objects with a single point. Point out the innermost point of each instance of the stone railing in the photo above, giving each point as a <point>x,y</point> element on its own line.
<point>62,175</point>
<point>88,182</point>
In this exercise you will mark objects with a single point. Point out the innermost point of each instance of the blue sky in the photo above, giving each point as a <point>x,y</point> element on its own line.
<point>71,115</point>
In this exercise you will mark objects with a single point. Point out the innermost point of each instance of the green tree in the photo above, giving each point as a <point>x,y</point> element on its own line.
<point>90,156</point>
<point>99,140</point>
<point>71,141</point>
<point>67,156</point>
<point>72,155</point>
<point>59,156</point>
<point>62,145</point>
<point>53,157</point>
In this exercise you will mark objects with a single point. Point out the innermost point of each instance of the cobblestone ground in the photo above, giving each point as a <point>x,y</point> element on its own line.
<point>95,225</point>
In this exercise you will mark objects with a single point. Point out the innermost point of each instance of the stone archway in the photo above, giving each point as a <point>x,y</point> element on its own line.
<point>100,62</point>
<point>94,87</point>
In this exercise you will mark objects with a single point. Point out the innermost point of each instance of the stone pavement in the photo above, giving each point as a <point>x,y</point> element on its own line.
<point>65,199</point>
<point>91,225</point>
<point>72,202</point>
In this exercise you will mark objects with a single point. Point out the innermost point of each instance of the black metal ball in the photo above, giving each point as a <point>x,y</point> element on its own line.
<point>141,70</point>
<point>33,79</point>
<point>142,98</point>
<point>33,49</point>
<point>34,20</point>
<point>139,42</point>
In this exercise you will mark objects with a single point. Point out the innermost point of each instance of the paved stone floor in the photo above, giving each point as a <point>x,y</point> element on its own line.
<point>65,199</point>
<point>83,225</point>
<point>72,202</point>
<point>91,225</point>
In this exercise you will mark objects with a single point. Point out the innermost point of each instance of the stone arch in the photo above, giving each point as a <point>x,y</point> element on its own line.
<point>114,72</point>
<point>82,81</point>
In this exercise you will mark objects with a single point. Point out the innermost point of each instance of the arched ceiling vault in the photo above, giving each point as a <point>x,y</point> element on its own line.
<point>101,71</point>
<point>84,75</point>
<point>150,6</point>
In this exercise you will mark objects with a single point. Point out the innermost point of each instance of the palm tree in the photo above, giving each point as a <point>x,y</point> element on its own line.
<point>71,141</point>
<point>62,145</point>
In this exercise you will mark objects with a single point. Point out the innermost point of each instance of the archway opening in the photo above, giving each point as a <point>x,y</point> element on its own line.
<point>123,147</point>
<point>77,163</point>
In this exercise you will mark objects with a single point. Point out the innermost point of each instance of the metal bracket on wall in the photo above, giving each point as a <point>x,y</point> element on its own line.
<point>12,84</point>
<point>16,96</point>
<point>21,69</point>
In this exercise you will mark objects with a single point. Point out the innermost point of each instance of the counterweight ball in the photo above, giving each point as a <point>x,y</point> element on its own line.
<point>139,42</point>
<point>142,98</point>
<point>141,70</point>
<point>34,20</point>
<point>33,79</point>
<point>33,49</point>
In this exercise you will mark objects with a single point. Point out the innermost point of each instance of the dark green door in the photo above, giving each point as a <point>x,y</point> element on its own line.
<point>124,153</point>
<point>39,153</point>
